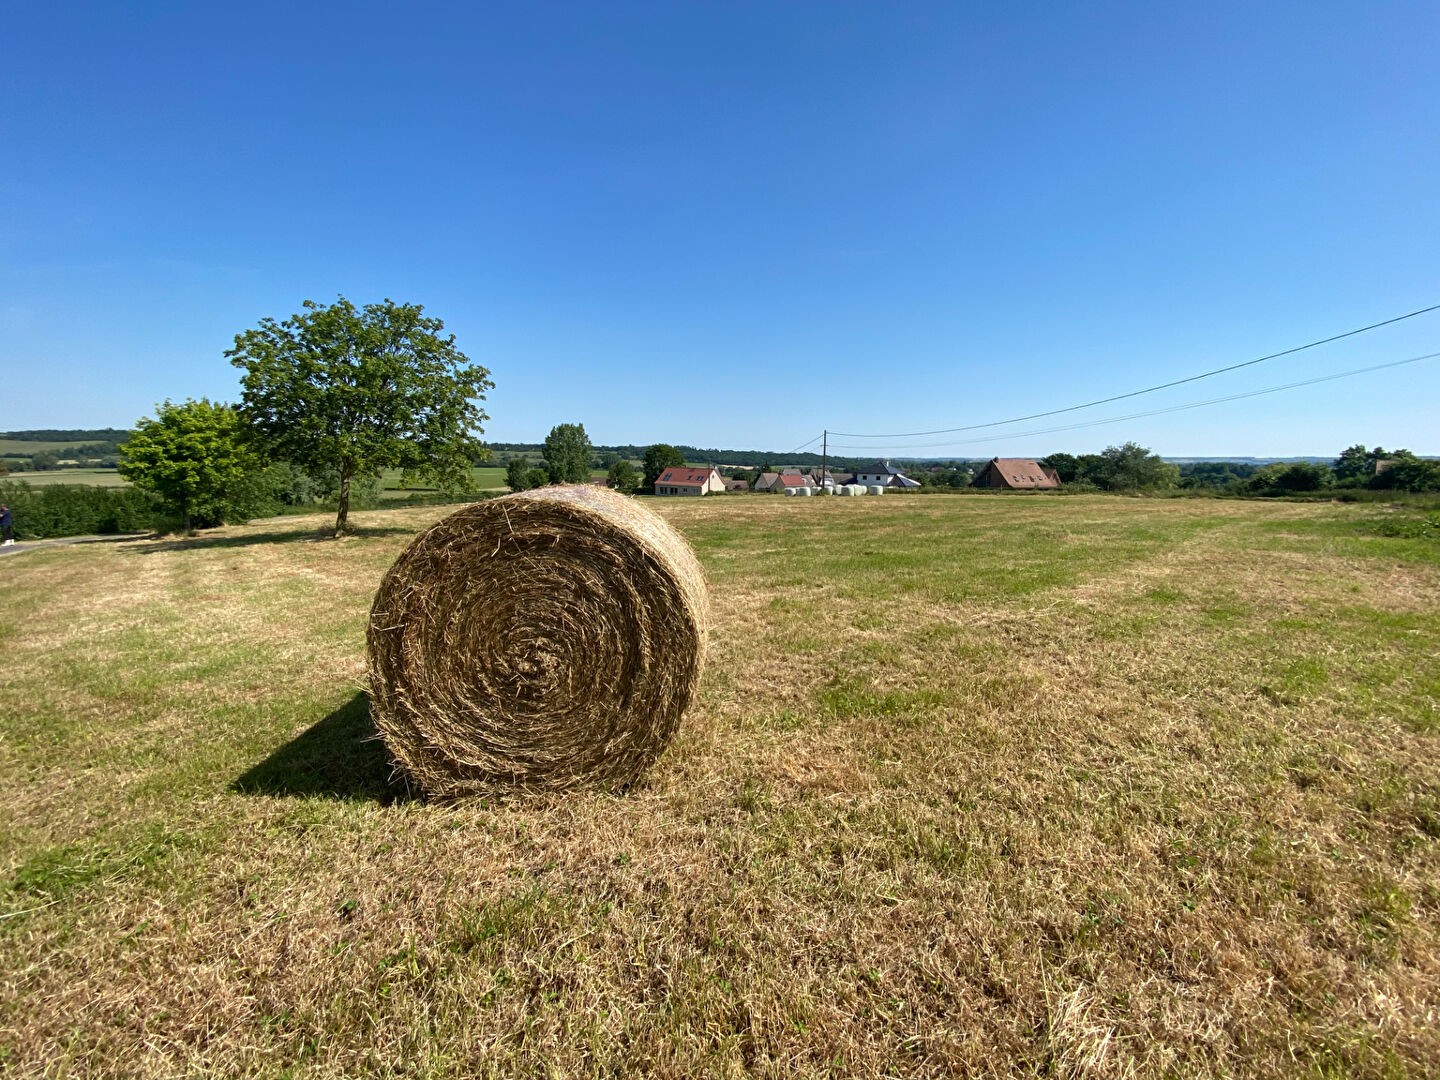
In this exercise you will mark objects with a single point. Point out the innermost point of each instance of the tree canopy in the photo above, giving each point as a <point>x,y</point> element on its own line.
<point>1403,471</point>
<point>1130,467</point>
<point>623,477</point>
<point>658,458</point>
<point>360,390</point>
<point>515,474</point>
<point>195,457</point>
<point>567,454</point>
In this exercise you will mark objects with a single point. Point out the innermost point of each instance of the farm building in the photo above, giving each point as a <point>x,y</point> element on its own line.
<point>883,474</point>
<point>778,482</point>
<point>1015,473</point>
<point>736,484</point>
<point>683,480</point>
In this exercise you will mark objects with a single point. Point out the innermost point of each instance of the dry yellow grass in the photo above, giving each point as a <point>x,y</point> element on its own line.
<point>1054,787</point>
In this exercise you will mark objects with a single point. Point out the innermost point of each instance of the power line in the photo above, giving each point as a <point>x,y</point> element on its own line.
<point>802,446</point>
<point>1159,412</point>
<point>1147,390</point>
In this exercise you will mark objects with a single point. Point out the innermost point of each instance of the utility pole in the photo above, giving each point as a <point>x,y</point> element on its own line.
<point>824,457</point>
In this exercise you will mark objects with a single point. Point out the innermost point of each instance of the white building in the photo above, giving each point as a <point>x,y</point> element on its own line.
<point>683,480</point>
<point>883,474</point>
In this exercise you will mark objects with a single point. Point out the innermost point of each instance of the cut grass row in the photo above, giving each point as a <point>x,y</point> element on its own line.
<point>1082,786</point>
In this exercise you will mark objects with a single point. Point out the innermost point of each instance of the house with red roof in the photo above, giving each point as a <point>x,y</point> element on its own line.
<point>683,480</point>
<point>1016,474</point>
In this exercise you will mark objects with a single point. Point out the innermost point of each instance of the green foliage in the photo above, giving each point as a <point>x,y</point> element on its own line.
<point>536,478</point>
<point>945,479</point>
<point>623,477</point>
<point>517,475</point>
<point>1356,465</point>
<point>658,458</point>
<point>1286,479</point>
<point>1214,474</point>
<point>1066,466</point>
<point>1128,468</point>
<point>77,510</point>
<point>358,391</point>
<point>111,436</point>
<point>567,454</point>
<point>1403,471</point>
<point>194,456</point>
<point>45,459</point>
<point>1421,528</point>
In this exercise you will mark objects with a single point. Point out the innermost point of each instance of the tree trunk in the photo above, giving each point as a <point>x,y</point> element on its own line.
<point>344,502</point>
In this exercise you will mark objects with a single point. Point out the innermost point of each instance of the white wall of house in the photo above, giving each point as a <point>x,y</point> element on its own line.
<point>713,482</point>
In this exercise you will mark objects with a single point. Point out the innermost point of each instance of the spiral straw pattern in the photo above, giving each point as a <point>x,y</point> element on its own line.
<point>543,640</point>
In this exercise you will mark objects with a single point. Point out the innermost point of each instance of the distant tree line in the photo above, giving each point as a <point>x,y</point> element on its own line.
<point>113,436</point>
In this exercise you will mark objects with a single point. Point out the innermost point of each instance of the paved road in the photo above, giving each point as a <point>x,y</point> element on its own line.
<point>33,545</point>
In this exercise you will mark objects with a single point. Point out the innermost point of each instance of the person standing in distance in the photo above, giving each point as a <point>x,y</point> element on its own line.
<point>5,525</point>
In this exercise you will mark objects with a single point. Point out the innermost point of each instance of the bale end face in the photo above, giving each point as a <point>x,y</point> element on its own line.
<point>543,640</point>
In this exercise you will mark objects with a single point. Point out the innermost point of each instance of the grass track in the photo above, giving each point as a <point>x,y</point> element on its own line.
<point>1054,787</point>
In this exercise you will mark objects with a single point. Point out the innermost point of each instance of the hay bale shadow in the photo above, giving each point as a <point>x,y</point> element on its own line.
<point>249,539</point>
<point>341,757</point>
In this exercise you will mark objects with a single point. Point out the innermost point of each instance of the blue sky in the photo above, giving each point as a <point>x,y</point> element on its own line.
<point>737,224</point>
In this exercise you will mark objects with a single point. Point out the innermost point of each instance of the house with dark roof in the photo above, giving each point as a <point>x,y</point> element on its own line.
<point>1016,474</point>
<point>683,480</point>
<point>736,484</point>
<point>883,474</point>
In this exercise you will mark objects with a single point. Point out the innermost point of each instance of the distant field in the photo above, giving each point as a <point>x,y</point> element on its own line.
<point>1066,787</point>
<point>25,449</point>
<point>89,477</point>
<point>487,478</point>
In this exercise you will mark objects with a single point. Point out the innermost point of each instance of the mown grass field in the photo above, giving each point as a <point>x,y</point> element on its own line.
<point>486,478</point>
<point>1015,786</point>
<point>85,477</point>
<point>25,449</point>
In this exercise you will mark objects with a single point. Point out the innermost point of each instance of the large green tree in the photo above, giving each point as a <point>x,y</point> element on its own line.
<point>658,458</point>
<point>360,390</point>
<point>623,477</point>
<point>195,457</point>
<point>1355,464</point>
<point>567,454</point>
<point>1134,468</point>
<point>515,474</point>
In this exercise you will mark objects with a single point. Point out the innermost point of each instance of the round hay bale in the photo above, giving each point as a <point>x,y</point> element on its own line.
<point>543,640</point>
